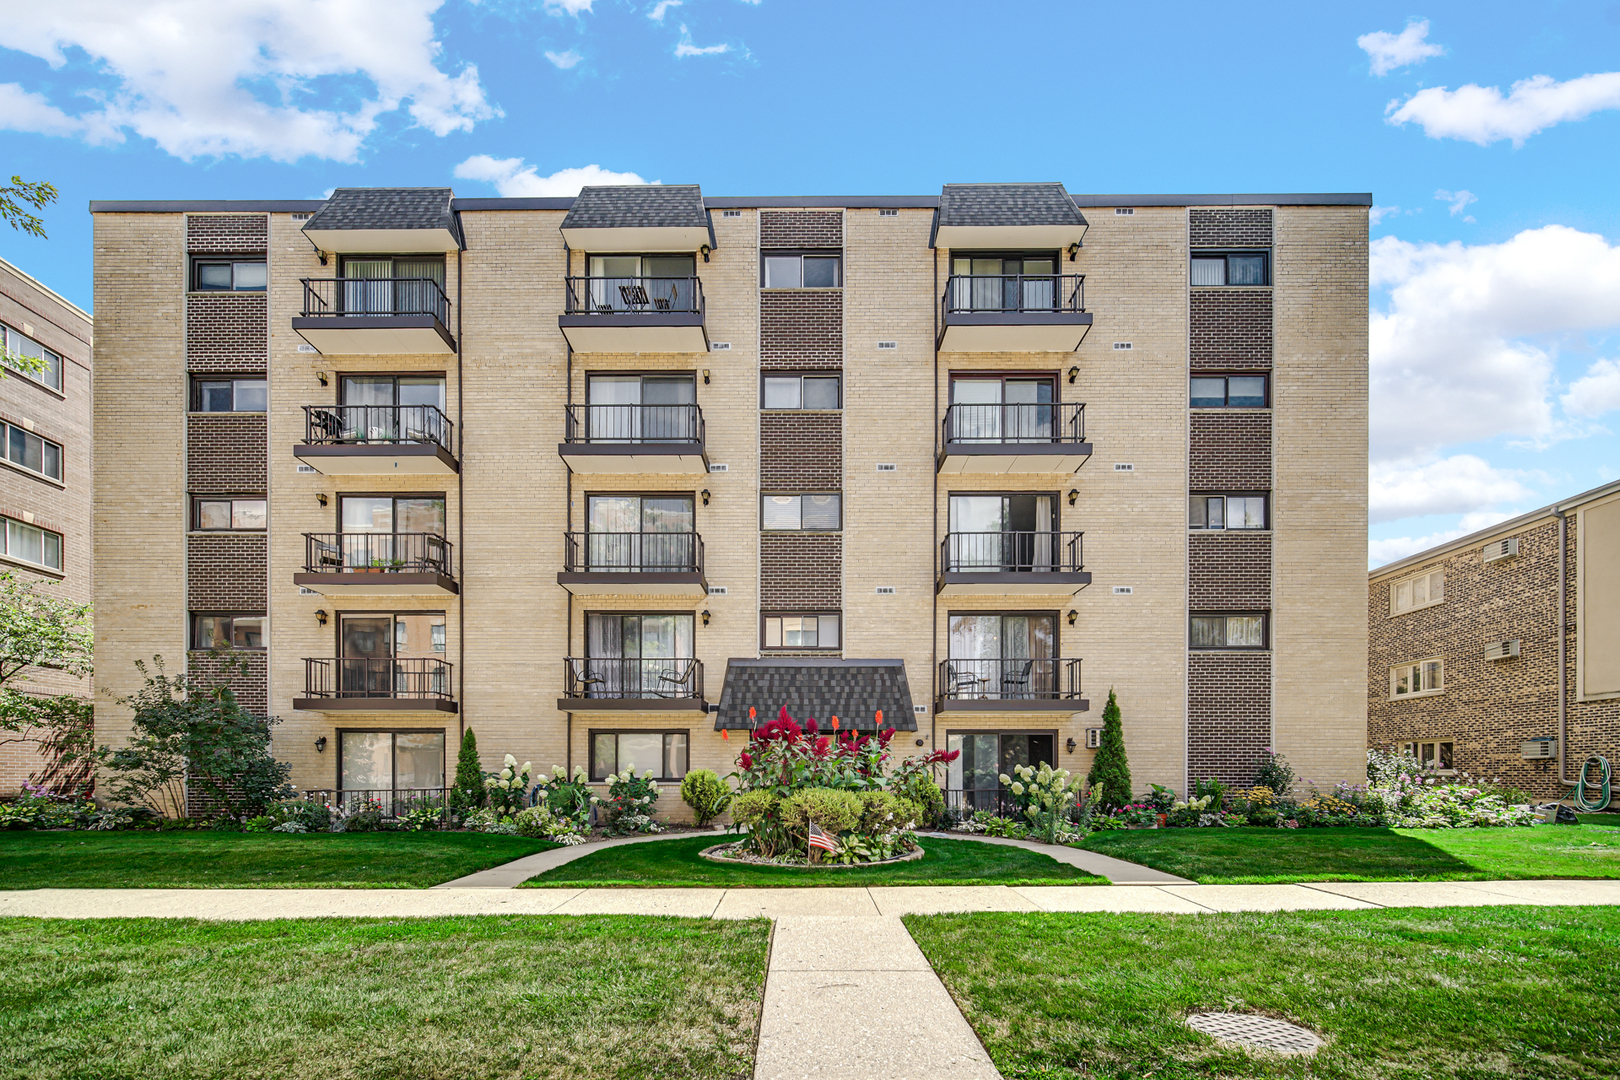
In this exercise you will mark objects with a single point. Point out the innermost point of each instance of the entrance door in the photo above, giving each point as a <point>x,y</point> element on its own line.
<point>973,779</point>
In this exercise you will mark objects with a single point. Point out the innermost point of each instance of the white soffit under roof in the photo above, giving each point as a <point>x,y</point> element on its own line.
<point>1021,237</point>
<point>383,241</point>
<point>637,239</point>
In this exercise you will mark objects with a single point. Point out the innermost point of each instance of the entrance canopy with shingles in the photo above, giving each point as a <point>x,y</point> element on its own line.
<point>852,690</point>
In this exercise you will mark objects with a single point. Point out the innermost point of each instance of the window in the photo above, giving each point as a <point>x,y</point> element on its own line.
<point>1244,631</point>
<point>641,408</point>
<point>803,270</point>
<point>1004,282</point>
<point>411,285</point>
<point>994,656</point>
<point>1226,512</point>
<point>992,408</point>
<point>227,631</point>
<point>1437,756</point>
<point>391,514</point>
<point>1421,591</point>
<point>973,779</point>
<point>1231,268</point>
<point>387,391</point>
<point>1228,392</point>
<point>807,512</point>
<point>637,655</point>
<point>26,450</point>
<point>390,761</point>
<point>230,395</point>
<point>643,283</point>
<point>22,346</point>
<point>31,544</point>
<point>1417,680</point>
<point>663,753</point>
<point>383,533</point>
<point>641,533</point>
<point>820,631</point>
<point>212,514</point>
<point>800,392</point>
<point>1003,534</point>
<point>229,275</point>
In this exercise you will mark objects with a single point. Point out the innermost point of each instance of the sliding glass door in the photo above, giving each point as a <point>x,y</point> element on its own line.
<point>992,409</point>
<point>642,408</point>
<point>632,656</point>
<point>1006,533</point>
<point>973,779</point>
<point>995,656</point>
<point>641,532</point>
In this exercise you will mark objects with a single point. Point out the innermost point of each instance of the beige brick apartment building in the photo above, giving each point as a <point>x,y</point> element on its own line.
<point>597,476</point>
<point>1465,652</point>
<point>44,472</point>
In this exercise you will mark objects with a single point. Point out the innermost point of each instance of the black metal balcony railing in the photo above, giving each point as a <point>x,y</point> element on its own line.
<point>1028,679</point>
<point>376,553</point>
<point>1016,423</point>
<point>375,296</point>
<point>360,425</point>
<point>392,802</point>
<point>633,552</point>
<point>1012,552</point>
<point>1014,293</point>
<point>633,423</point>
<point>634,296</point>
<point>413,678</point>
<point>615,677</point>
<point>969,801</point>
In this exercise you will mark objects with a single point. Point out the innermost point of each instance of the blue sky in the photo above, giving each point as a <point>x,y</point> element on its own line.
<point>1488,133</point>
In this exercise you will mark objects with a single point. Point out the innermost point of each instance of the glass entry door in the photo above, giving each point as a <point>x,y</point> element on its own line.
<point>1005,282</point>
<point>641,532</point>
<point>973,779</point>
<point>386,286</point>
<point>399,655</point>
<point>635,656</point>
<point>386,408</point>
<point>1006,533</point>
<point>642,408</point>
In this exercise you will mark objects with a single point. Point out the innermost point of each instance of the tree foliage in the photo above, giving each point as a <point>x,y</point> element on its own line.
<point>38,630</point>
<point>1110,768</point>
<point>468,791</point>
<point>37,194</point>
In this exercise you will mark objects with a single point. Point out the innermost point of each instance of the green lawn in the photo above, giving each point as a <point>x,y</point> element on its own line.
<point>1462,993</point>
<point>355,999</point>
<point>672,863</point>
<point>1228,856</point>
<point>1610,819</point>
<point>211,860</point>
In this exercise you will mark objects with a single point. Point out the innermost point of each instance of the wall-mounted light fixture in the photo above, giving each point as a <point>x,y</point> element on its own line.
<point>320,498</point>
<point>1074,494</point>
<point>1070,745</point>
<point>321,375</point>
<point>1074,249</point>
<point>705,376</point>
<point>704,251</point>
<point>1073,615</point>
<point>705,494</point>
<point>320,616</point>
<point>705,616</point>
<point>919,742</point>
<point>320,745</point>
<point>1074,373</point>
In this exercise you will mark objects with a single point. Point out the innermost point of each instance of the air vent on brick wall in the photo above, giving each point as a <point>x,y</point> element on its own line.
<point>888,213</point>
<point>308,592</point>
<point>920,710</point>
<point>1124,590</point>
<point>300,217</point>
<point>887,466</point>
<point>307,469</point>
<point>719,468</point>
<point>1502,650</point>
<point>1093,738</point>
<point>730,213</point>
<point>885,590</point>
<point>1501,549</point>
<point>1124,466</point>
<point>717,590</point>
<point>1122,346</point>
<point>305,347</point>
<point>719,346</point>
<point>888,344</point>
<point>1124,211</point>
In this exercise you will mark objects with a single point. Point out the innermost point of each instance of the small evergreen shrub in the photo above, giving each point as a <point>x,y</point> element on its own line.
<point>705,793</point>
<point>1110,767</point>
<point>468,791</point>
<point>1275,773</point>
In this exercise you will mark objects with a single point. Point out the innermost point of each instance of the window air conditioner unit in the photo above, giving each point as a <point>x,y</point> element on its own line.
<point>1093,738</point>
<point>1539,749</point>
<point>1502,650</point>
<point>1501,549</point>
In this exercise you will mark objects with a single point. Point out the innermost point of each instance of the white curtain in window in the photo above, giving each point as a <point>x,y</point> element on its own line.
<point>1045,541</point>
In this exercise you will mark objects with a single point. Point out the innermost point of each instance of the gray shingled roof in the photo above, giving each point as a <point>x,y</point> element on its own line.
<point>1007,204</point>
<point>640,206</point>
<point>387,208</point>
<point>852,690</point>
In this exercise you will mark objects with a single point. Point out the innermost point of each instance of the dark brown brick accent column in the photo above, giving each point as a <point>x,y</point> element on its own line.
<point>226,453</point>
<point>1229,572</point>
<point>1231,331</point>
<point>226,572</point>
<point>801,229</point>
<point>1229,228</point>
<point>1228,715</point>
<point>227,234</point>
<point>801,451</point>
<point>1230,451</point>
<point>801,330</point>
<point>801,571</point>
<point>226,332</point>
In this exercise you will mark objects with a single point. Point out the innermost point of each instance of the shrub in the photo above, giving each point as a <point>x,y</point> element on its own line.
<point>421,814</point>
<point>37,809</point>
<point>360,815</point>
<point>508,788</point>
<point>760,812</point>
<point>313,816</point>
<point>1043,796</point>
<point>628,806</point>
<point>565,798</point>
<point>705,793</point>
<point>468,792</point>
<point>1110,768</point>
<point>834,811</point>
<point>1275,773</point>
<point>488,820</point>
<point>921,789</point>
<point>536,822</point>
<point>884,812</point>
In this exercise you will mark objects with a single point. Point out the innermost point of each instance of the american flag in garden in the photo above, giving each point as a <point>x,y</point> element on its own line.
<point>822,840</point>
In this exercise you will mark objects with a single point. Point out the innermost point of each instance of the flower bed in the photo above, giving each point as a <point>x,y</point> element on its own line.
<point>738,852</point>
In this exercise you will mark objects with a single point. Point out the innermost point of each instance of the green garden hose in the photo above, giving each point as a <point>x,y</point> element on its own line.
<point>1582,803</point>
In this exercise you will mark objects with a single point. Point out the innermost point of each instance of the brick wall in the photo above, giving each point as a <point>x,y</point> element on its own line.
<point>801,451</point>
<point>249,682</point>
<point>1229,571</point>
<point>226,572</point>
<point>1229,228</point>
<point>225,453</point>
<point>801,229</point>
<point>800,570</point>
<point>225,332</point>
<point>227,234</point>
<point>1228,715</point>
<point>1230,451</point>
<point>801,330</point>
<point>1231,331</point>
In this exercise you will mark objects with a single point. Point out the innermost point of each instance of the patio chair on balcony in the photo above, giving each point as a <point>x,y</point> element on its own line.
<point>327,556</point>
<point>963,683</point>
<point>1015,684</point>
<point>634,296</point>
<point>675,682</point>
<point>588,683</point>
<point>325,427</point>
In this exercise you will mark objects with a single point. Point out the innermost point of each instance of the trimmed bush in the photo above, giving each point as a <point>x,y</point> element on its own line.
<point>468,790</point>
<point>885,812</point>
<point>705,793</point>
<point>921,789</point>
<point>751,809</point>
<point>536,822</point>
<point>835,811</point>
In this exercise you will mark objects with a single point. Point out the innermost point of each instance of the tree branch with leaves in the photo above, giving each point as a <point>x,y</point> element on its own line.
<point>40,631</point>
<point>20,192</point>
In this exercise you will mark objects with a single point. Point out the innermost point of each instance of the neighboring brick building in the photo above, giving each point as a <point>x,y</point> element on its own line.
<point>544,467</point>
<point>1463,649</point>
<point>45,457</point>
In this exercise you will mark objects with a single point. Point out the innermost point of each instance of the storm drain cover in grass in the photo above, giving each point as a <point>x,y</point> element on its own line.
<point>1261,1031</point>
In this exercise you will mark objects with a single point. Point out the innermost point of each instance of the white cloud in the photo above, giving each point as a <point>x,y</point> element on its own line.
<point>1459,484</point>
<point>250,77</point>
<point>567,7</point>
<point>1390,51</point>
<point>1379,213</point>
<point>1596,392</point>
<point>658,10</point>
<point>1459,200</point>
<point>564,60</point>
<point>1480,114</point>
<point>1463,350</point>
<point>1388,550</point>
<point>513,179</point>
<point>685,47</point>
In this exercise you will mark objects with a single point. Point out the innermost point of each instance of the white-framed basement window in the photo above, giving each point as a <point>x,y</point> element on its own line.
<point>1437,755</point>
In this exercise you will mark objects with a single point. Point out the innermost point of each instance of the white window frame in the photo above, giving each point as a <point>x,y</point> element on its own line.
<point>54,375</point>
<point>5,452</point>
<point>1417,747</point>
<point>6,526</point>
<point>1410,585</point>
<point>827,623</point>
<point>1418,673</point>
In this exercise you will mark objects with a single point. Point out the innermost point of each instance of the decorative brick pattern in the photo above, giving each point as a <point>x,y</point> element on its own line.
<point>1230,451</point>
<point>1229,228</point>
<point>226,572</point>
<point>801,451</point>
<point>1231,331</point>
<point>225,453</point>
<point>1228,715</point>
<point>227,234</point>
<point>801,229</point>
<point>801,570</point>
<point>226,332</point>
<point>801,330</point>
<point>1229,571</point>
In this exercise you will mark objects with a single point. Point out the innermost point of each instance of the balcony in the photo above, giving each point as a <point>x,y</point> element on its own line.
<point>377,440</point>
<point>634,439</point>
<point>1011,564</point>
<point>1022,685</point>
<point>375,317</point>
<point>397,684</point>
<point>1013,313</point>
<point>377,564</point>
<point>634,315</point>
<point>633,564</point>
<point>632,685</point>
<point>1014,438</point>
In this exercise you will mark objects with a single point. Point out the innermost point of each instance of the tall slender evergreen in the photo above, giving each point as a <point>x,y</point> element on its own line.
<point>468,792</point>
<point>1110,767</point>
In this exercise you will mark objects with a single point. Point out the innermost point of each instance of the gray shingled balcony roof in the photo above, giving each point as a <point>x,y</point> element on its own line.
<point>386,208</point>
<point>852,690</point>
<point>979,205</point>
<point>643,206</point>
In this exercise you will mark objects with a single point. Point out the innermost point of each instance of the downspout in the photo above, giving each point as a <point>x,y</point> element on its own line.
<point>1563,700</point>
<point>461,501</point>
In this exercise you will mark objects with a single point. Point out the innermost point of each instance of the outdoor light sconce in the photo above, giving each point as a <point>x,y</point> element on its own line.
<point>1069,746</point>
<point>705,376</point>
<point>1074,249</point>
<point>320,616</point>
<point>705,616</point>
<point>705,494</point>
<point>1074,373</point>
<point>321,375</point>
<point>320,498</point>
<point>1073,615</point>
<point>320,744</point>
<point>1074,494</point>
<point>704,251</point>
<point>919,742</point>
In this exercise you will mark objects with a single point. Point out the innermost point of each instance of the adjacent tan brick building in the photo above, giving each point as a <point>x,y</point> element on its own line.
<point>595,476</point>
